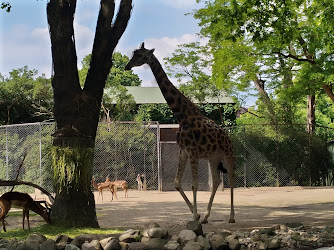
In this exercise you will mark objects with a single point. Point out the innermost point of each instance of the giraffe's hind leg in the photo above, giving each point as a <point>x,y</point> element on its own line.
<point>215,184</point>
<point>177,182</point>
<point>194,172</point>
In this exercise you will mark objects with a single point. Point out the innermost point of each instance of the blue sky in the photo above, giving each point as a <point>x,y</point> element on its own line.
<point>161,24</point>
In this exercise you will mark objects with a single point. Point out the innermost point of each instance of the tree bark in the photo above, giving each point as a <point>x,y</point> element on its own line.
<point>310,113</point>
<point>259,84</point>
<point>77,110</point>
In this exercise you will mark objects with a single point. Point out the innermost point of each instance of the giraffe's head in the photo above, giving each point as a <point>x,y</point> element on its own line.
<point>140,56</point>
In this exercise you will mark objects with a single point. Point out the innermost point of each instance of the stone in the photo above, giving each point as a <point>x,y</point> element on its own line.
<point>30,245</point>
<point>233,241</point>
<point>87,246</point>
<point>191,245</point>
<point>61,245</point>
<point>39,238</point>
<point>172,245</point>
<point>262,245</point>
<point>105,241</point>
<point>218,242</point>
<point>156,232</point>
<point>155,243</point>
<point>130,235</point>
<point>71,247</point>
<point>113,244</point>
<point>149,226</point>
<point>78,241</point>
<point>195,226</point>
<point>62,238</point>
<point>137,246</point>
<point>49,244</point>
<point>203,242</point>
<point>124,246</point>
<point>274,243</point>
<point>96,244</point>
<point>186,236</point>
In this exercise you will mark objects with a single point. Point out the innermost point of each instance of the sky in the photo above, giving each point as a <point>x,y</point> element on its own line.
<point>161,24</point>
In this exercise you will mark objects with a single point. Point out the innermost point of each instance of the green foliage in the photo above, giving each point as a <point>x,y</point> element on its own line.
<point>125,107</point>
<point>25,97</point>
<point>288,45</point>
<point>72,167</point>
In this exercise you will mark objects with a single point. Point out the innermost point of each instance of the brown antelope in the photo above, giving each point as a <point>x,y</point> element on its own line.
<point>16,199</point>
<point>119,184</point>
<point>104,185</point>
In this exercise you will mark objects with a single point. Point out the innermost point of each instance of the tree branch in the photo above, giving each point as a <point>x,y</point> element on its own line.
<point>17,183</point>
<point>328,90</point>
<point>295,57</point>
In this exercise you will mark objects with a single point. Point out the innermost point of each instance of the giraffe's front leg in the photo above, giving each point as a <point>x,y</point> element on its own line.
<point>180,171</point>
<point>194,171</point>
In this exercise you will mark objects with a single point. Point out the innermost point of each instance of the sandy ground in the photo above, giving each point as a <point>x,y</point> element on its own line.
<point>254,208</point>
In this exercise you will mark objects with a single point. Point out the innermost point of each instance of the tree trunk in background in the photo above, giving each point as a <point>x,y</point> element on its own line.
<point>259,84</point>
<point>76,110</point>
<point>310,113</point>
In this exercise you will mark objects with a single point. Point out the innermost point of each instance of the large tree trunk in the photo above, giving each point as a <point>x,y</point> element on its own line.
<point>76,110</point>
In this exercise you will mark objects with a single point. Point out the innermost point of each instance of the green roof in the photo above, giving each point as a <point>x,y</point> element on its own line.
<point>144,95</point>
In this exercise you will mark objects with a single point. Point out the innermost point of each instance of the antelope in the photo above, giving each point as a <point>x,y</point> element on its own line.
<point>140,182</point>
<point>17,199</point>
<point>105,185</point>
<point>119,184</point>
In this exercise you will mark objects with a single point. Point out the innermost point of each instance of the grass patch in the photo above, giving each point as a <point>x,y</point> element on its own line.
<point>50,231</point>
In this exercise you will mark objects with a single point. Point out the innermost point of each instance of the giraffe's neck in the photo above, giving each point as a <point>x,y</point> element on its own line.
<point>180,105</point>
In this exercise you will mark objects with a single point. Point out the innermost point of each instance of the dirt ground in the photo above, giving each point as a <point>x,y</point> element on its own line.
<point>254,208</point>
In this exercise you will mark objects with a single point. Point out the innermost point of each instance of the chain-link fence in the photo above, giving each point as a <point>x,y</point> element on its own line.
<point>265,156</point>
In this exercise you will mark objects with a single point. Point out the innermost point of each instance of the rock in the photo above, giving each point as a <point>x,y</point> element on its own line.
<point>175,238</point>
<point>186,236</point>
<point>268,231</point>
<point>218,242</point>
<point>71,247</point>
<point>39,238</point>
<point>61,245</point>
<point>96,244</point>
<point>156,232</point>
<point>274,243</point>
<point>124,246</point>
<point>149,226</point>
<point>172,245</point>
<point>294,225</point>
<point>87,246</point>
<point>262,245</point>
<point>137,246</point>
<point>113,244</point>
<point>233,241</point>
<point>30,245</point>
<point>49,244</point>
<point>326,248</point>
<point>155,243</point>
<point>130,236</point>
<point>203,242</point>
<point>78,241</point>
<point>62,238</point>
<point>191,245</point>
<point>195,226</point>
<point>105,241</point>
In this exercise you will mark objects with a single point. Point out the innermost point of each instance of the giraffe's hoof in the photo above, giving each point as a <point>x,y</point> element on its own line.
<point>204,221</point>
<point>231,221</point>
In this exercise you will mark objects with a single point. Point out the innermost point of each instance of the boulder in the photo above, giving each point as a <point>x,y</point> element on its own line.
<point>130,236</point>
<point>186,236</point>
<point>195,226</point>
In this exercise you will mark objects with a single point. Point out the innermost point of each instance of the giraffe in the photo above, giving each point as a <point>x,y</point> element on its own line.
<point>198,137</point>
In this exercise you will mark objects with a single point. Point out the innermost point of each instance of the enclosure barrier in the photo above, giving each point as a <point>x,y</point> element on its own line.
<point>266,155</point>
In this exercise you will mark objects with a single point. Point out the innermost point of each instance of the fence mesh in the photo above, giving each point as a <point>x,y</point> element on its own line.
<point>265,156</point>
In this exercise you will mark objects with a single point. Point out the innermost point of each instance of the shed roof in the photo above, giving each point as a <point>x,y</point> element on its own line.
<point>144,95</point>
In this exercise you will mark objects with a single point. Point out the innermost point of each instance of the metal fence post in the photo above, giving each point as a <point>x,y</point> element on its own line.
<point>245,157</point>
<point>159,159</point>
<point>40,154</point>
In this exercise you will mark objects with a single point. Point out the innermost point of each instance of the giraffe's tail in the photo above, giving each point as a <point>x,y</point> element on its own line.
<point>221,168</point>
